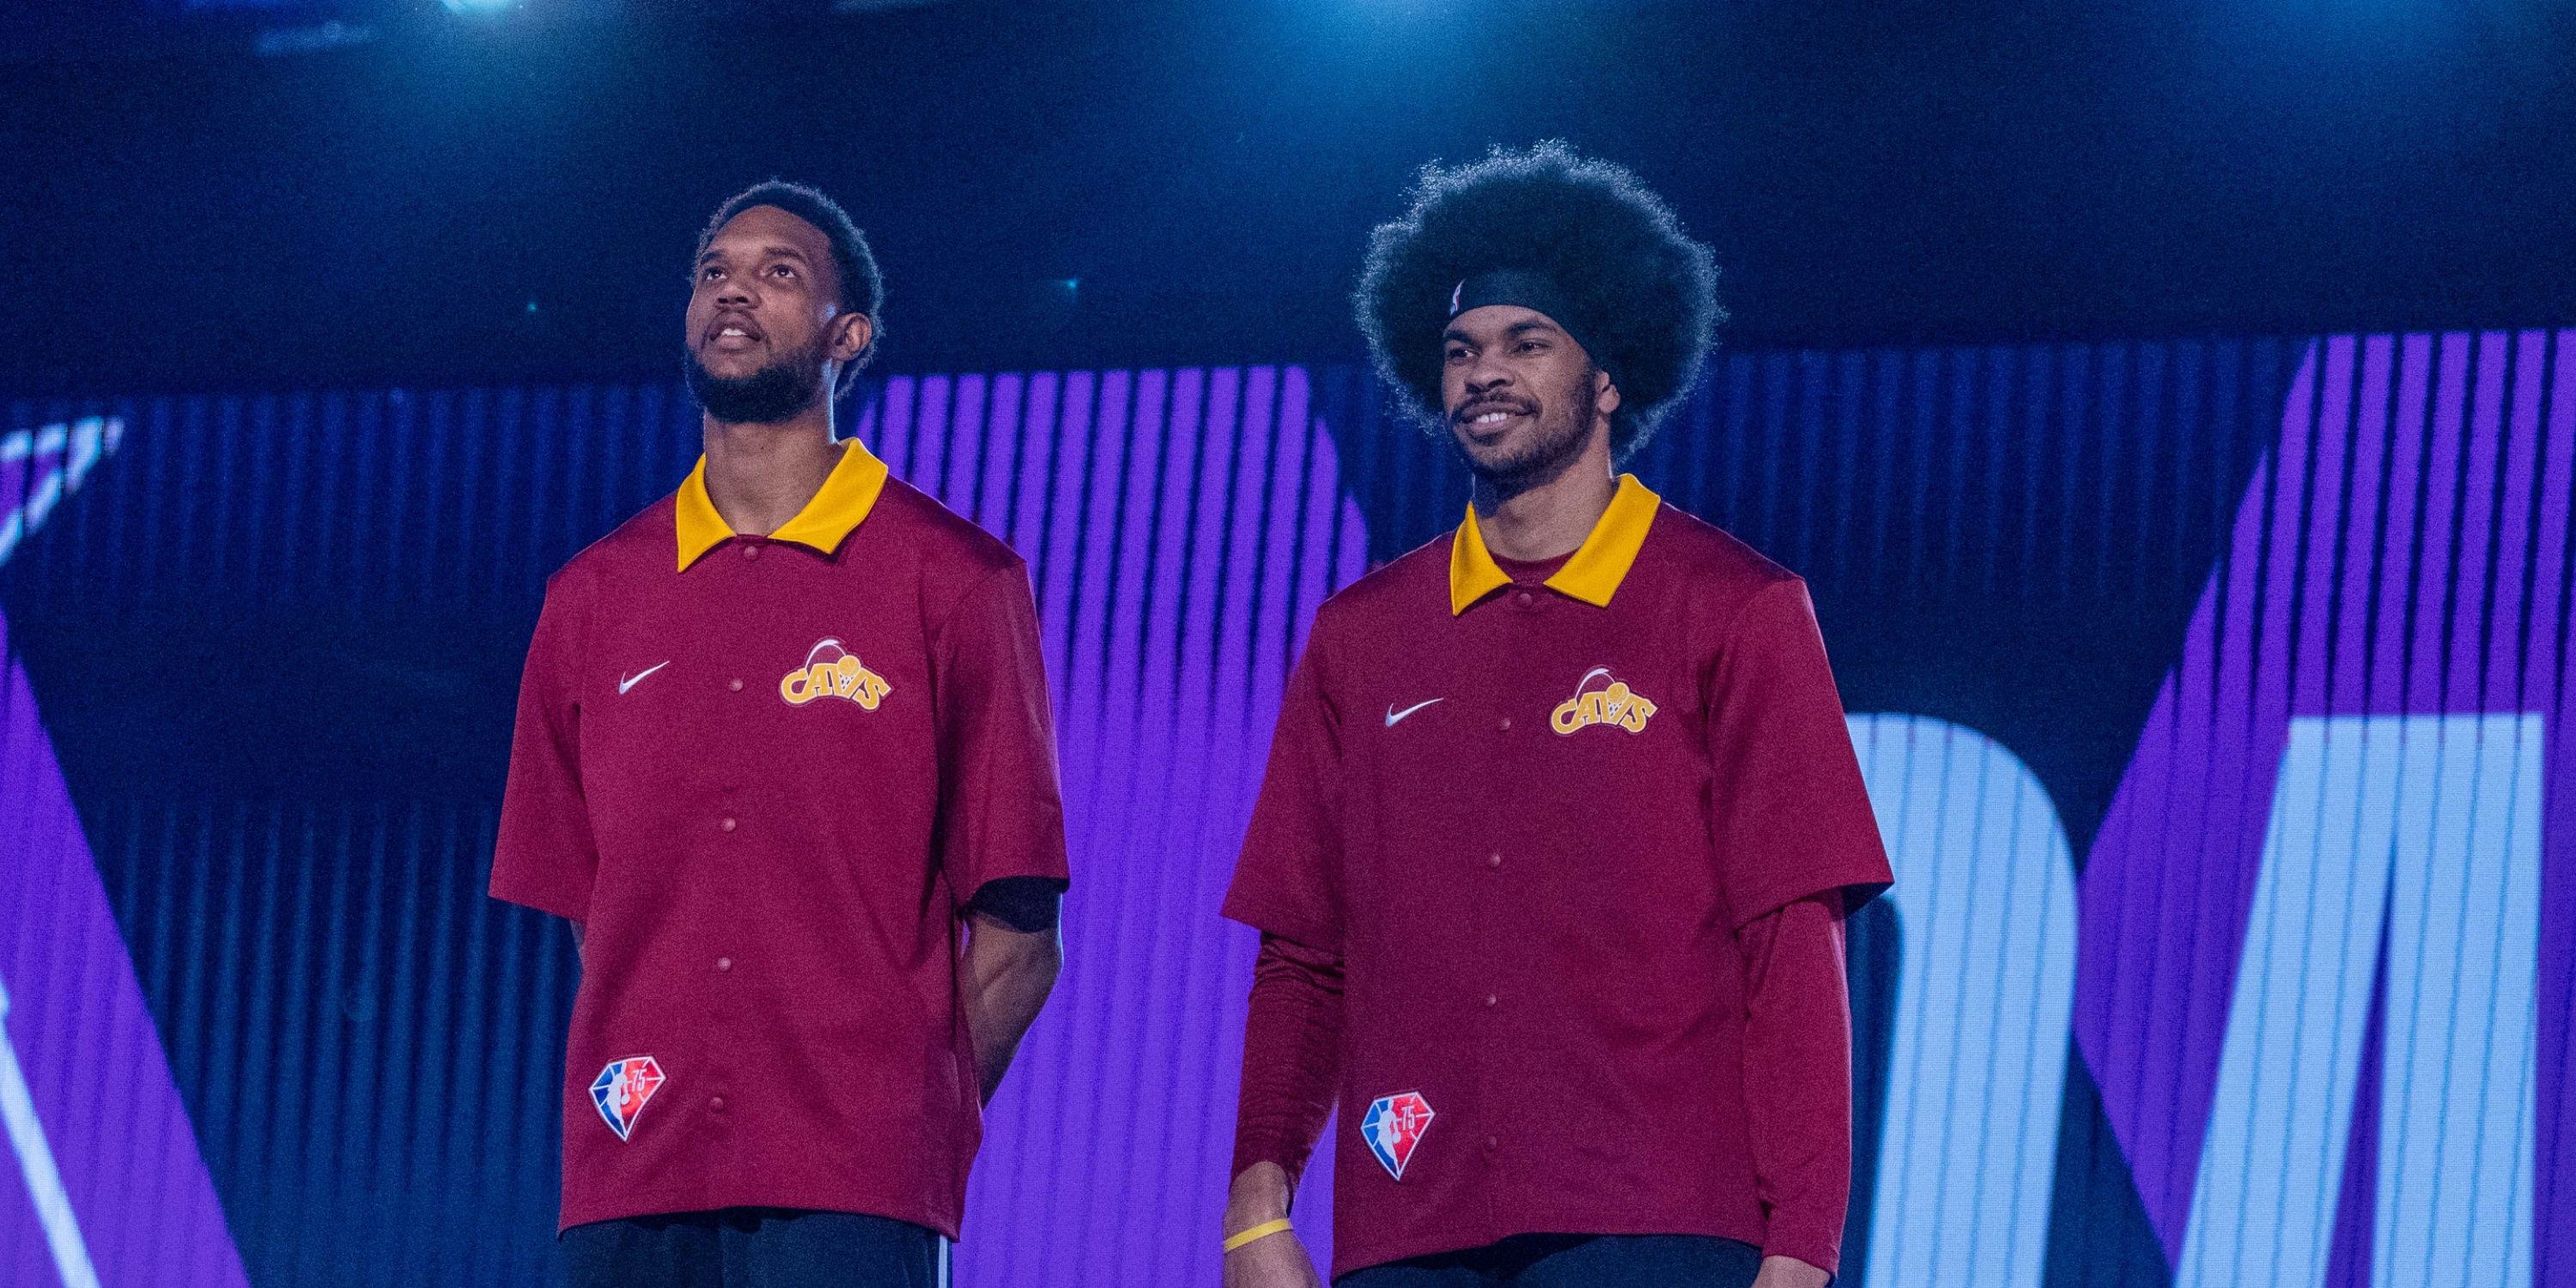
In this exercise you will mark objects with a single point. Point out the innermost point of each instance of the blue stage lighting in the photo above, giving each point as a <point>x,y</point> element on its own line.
<point>479,7</point>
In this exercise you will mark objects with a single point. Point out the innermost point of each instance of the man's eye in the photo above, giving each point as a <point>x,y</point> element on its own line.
<point>783,270</point>
<point>710,273</point>
<point>1531,346</point>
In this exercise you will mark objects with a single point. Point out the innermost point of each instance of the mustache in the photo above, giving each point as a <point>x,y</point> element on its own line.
<point>1470,410</point>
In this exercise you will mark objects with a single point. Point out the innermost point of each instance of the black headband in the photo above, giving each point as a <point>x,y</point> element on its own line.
<point>1536,292</point>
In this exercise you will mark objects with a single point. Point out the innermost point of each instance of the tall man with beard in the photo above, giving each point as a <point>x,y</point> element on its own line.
<point>783,759</point>
<point>1561,820</point>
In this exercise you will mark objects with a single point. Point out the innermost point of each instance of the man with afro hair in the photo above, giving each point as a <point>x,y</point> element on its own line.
<point>1561,820</point>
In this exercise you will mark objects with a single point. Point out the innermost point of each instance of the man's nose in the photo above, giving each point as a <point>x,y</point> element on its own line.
<point>735,293</point>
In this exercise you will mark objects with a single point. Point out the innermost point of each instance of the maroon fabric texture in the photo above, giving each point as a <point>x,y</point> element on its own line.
<point>769,850</point>
<point>1538,888</point>
<point>1292,1057</point>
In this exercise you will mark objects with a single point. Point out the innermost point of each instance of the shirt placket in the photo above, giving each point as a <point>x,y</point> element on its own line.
<point>1518,719</point>
<point>724,962</point>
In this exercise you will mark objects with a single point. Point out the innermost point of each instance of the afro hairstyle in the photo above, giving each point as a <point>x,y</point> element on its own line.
<point>1645,293</point>
<point>862,287</point>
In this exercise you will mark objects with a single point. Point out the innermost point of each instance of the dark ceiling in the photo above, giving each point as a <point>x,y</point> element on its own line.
<point>394,192</point>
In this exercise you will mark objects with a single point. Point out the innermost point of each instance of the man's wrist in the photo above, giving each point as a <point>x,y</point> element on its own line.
<point>1800,1237</point>
<point>1260,1193</point>
<point>1792,1272</point>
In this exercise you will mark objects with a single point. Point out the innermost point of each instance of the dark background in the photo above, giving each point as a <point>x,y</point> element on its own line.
<point>394,192</point>
<point>277,640</point>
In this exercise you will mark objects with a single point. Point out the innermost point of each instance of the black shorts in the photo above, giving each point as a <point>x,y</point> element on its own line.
<point>1575,1261</point>
<point>754,1248</point>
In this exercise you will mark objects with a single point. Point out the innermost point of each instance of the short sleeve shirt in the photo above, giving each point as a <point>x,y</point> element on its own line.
<point>1530,820</point>
<point>766,774</point>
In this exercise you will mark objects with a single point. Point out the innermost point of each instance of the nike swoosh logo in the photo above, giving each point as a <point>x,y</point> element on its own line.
<point>1393,715</point>
<point>625,682</point>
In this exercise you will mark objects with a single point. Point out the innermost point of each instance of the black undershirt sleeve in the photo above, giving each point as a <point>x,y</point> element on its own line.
<point>1028,905</point>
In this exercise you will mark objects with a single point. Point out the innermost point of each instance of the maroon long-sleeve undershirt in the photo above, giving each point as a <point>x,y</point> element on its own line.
<point>1797,1076</point>
<point>1292,1056</point>
<point>1797,1068</point>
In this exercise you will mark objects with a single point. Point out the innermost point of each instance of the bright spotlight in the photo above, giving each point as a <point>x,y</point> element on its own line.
<point>479,8</point>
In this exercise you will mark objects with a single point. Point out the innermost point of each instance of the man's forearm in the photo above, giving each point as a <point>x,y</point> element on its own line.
<point>1797,1083</point>
<point>1005,978</point>
<point>1292,1055</point>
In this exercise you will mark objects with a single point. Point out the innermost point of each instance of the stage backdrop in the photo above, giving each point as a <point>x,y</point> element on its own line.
<point>2212,696</point>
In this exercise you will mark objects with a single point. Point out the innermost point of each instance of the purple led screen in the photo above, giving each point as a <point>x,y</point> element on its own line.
<point>106,1186</point>
<point>1170,619</point>
<point>2319,971</point>
<point>105,1183</point>
<point>2402,557</point>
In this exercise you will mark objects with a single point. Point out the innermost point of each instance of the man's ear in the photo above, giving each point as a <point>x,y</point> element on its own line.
<point>851,333</point>
<point>1605,395</point>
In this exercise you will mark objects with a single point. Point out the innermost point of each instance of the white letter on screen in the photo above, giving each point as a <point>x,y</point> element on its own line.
<point>2430,827</point>
<point>1985,989</point>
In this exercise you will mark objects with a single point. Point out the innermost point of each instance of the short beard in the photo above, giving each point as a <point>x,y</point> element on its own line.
<point>1564,428</point>
<point>781,391</point>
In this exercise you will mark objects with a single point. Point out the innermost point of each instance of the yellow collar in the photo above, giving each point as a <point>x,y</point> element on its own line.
<point>1592,575</point>
<point>844,499</point>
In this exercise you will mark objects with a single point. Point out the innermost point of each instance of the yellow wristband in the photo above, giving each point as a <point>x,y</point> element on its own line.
<point>1261,1231</point>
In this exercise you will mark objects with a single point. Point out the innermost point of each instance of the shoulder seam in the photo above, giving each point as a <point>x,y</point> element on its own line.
<point>1735,623</point>
<point>1015,565</point>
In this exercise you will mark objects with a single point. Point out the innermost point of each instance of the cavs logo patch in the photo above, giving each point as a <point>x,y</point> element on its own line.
<point>831,671</point>
<point>1614,703</point>
<point>622,1088</point>
<point>1393,1126</point>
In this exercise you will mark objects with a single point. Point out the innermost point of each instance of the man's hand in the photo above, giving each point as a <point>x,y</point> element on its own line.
<point>1789,1272</point>
<point>1272,1261</point>
<point>1004,978</point>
